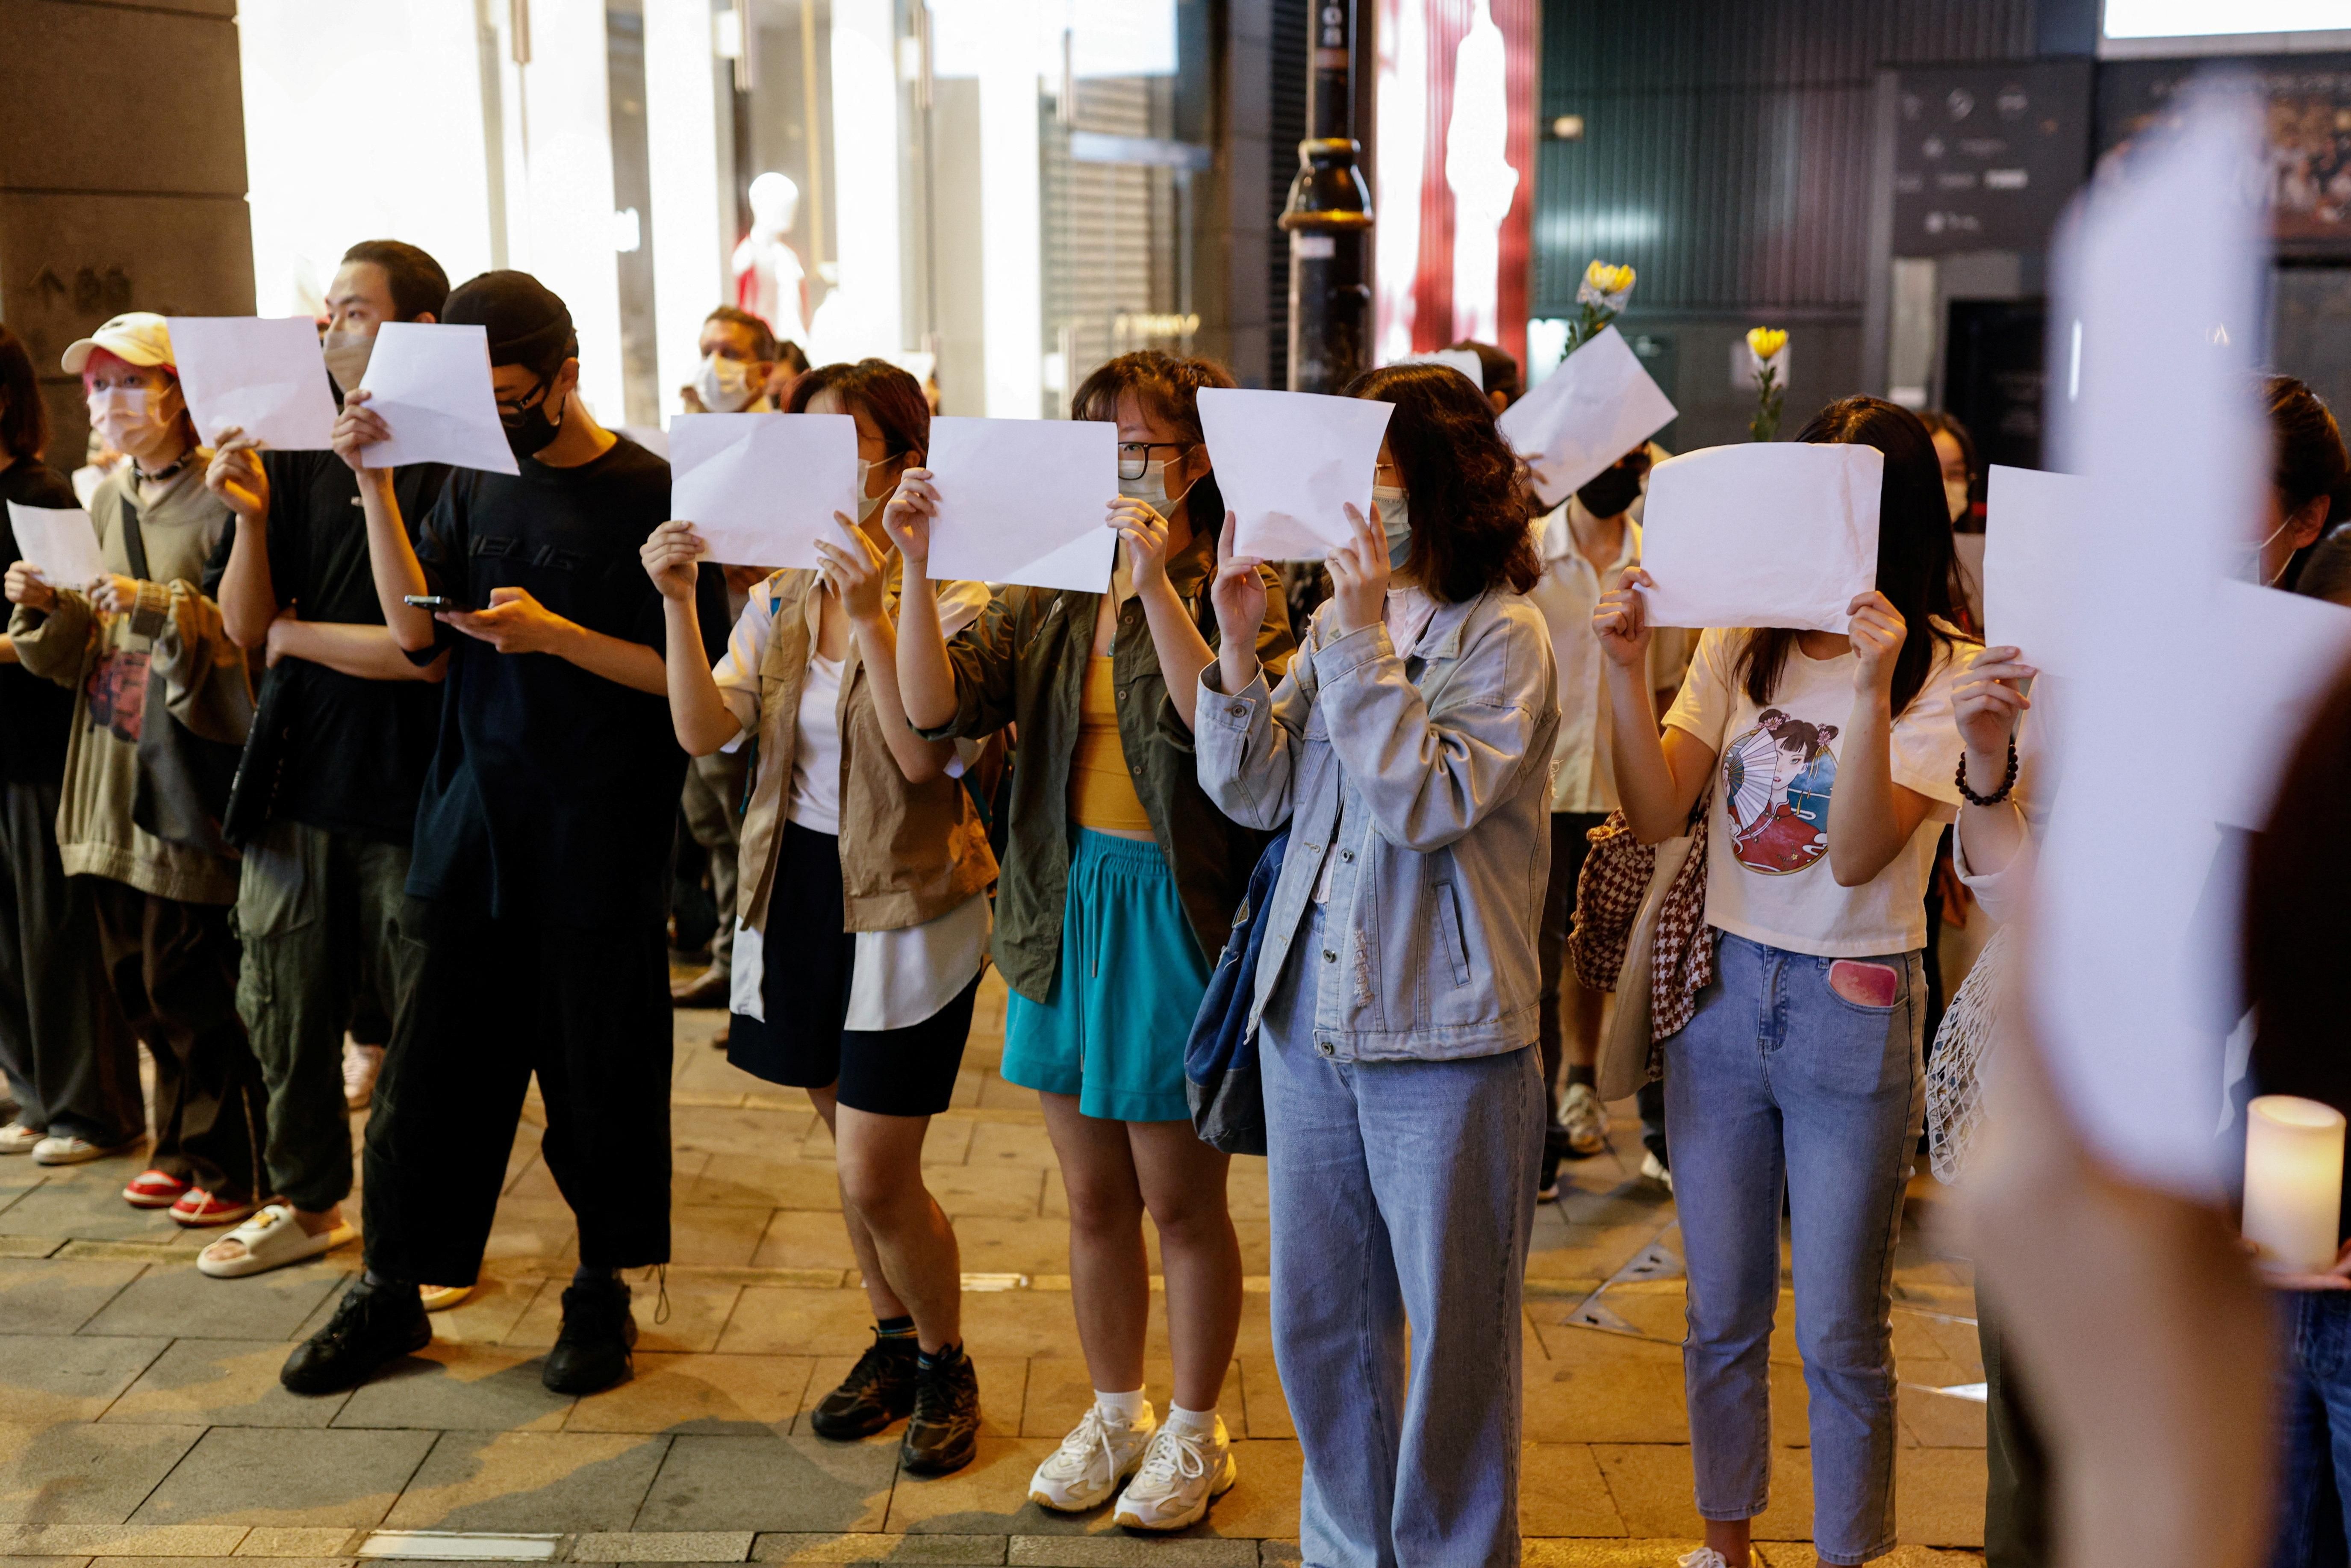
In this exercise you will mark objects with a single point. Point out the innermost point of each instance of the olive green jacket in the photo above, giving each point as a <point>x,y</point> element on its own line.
<point>1024,662</point>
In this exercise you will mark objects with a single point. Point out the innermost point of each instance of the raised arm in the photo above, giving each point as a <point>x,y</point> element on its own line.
<point>858,572</point>
<point>390,556</point>
<point>696,709</point>
<point>1873,817</point>
<point>927,683</point>
<point>1988,703</point>
<point>248,600</point>
<point>1658,776</point>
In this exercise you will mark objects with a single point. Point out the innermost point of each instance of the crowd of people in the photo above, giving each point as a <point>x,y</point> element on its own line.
<point>350,788</point>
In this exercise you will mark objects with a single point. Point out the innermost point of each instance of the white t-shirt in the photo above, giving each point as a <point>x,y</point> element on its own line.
<point>1767,873</point>
<point>816,748</point>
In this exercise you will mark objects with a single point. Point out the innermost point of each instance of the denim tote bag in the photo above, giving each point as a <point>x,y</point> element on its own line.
<point>1220,1076</point>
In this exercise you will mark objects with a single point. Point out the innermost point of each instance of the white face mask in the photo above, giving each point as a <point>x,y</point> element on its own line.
<point>724,385</point>
<point>346,355</point>
<point>139,422</point>
<point>2251,571</point>
<point>867,504</point>
<point>1152,489</point>
<point>1394,510</point>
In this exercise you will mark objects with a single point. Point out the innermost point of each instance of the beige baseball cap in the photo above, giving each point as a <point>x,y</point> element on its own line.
<point>138,336</point>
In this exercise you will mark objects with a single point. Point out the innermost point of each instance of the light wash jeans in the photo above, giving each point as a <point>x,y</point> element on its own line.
<point>1781,1082</point>
<point>1401,1190</point>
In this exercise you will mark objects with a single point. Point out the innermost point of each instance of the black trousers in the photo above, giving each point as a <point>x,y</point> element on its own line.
<point>64,1041</point>
<point>172,968</point>
<point>484,1005</point>
<point>2017,1488</point>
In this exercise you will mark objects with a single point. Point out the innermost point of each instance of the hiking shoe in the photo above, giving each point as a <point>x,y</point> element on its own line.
<point>1181,1473</point>
<point>1584,1120</point>
<point>879,1389</point>
<point>592,1353</point>
<point>942,1434</point>
<point>372,1327</point>
<point>1099,1453</point>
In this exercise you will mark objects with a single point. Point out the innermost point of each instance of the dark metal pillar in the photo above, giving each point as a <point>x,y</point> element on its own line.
<point>1329,216</point>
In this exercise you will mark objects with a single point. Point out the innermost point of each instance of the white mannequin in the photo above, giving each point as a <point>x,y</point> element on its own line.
<point>769,279</point>
<point>1480,175</point>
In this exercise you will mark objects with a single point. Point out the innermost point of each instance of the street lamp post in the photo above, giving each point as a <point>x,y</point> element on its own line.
<point>1329,216</point>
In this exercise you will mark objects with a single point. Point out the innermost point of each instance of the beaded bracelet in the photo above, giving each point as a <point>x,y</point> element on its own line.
<point>2007,781</point>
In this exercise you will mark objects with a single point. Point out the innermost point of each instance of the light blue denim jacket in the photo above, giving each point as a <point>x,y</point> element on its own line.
<point>1429,779</point>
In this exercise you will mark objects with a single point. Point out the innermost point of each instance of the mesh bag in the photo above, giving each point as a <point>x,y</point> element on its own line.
<point>1964,1045</point>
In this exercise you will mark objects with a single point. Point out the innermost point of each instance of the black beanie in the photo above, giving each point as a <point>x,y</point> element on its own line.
<point>527,323</point>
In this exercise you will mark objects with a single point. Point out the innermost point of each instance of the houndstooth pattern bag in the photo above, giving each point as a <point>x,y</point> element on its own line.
<point>1640,932</point>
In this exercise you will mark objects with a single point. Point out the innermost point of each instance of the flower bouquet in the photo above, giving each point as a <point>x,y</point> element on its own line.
<point>1602,296</point>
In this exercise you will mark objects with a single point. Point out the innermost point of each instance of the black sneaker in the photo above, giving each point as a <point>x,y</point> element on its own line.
<point>879,1389</point>
<point>592,1353</point>
<point>374,1326</point>
<point>945,1432</point>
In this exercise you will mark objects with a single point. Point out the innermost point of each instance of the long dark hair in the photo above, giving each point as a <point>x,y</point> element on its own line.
<point>1470,501</point>
<point>892,398</point>
<point>1168,388</point>
<point>1916,570</point>
<point>23,419</point>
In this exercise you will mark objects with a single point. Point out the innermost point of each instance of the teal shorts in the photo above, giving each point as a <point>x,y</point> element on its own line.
<point>1112,1029</point>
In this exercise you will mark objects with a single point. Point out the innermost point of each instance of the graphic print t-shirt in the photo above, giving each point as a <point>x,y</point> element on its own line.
<point>1767,874</point>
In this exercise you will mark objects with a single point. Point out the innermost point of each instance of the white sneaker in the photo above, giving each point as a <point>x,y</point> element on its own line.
<point>360,1065</point>
<point>1585,1120</point>
<point>1705,1556</point>
<point>1654,1168</point>
<point>1091,1461</point>
<point>16,1138</point>
<point>65,1149</point>
<point>1182,1473</point>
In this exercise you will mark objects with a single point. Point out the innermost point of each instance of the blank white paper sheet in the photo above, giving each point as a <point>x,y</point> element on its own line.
<point>2030,520</point>
<point>431,382</point>
<point>265,377</point>
<point>1024,500</point>
<point>1290,463</point>
<point>762,488</point>
<point>1768,534</point>
<point>59,540</point>
<point>1578,420</point>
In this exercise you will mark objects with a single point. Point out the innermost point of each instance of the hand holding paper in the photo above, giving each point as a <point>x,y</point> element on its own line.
<point>1597,406</point>
<point>761,488</point>
<point>1021,501</point>
<point>60,541</point>
<point>264,377</point>
<point>1290,463</point>
<point>1766,533</point>
<point>430,383</point>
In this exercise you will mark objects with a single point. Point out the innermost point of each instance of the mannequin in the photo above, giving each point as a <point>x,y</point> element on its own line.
<point>769,279</point>
<point>1480,175</point>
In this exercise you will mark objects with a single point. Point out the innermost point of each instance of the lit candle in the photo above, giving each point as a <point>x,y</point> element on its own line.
<point>2293,1182</point>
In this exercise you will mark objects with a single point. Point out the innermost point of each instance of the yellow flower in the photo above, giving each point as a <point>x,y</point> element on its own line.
<point>1764,342</point>
<point>1603,278</point>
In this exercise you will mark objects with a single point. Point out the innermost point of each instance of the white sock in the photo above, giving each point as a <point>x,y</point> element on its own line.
<point>1204,1422</point>
<point>1128,1409</point>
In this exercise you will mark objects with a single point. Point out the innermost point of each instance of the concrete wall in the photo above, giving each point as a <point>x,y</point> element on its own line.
<point>122,175</point>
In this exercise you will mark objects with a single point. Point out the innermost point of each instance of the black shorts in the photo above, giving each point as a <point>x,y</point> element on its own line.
<point>810,962</point>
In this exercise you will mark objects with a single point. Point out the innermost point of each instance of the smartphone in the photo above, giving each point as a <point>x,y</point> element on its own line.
<point>437,602</point>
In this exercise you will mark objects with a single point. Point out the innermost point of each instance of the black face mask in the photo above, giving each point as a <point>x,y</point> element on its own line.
<point>528,431</point>
<point>1611,491</point>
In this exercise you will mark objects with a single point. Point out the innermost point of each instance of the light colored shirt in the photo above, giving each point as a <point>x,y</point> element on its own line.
<point>816,749</point>
<point>1567,594</point>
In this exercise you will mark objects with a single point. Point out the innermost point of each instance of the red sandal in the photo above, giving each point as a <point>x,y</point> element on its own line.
<point>199,1210</point>
<point>153,1189</point>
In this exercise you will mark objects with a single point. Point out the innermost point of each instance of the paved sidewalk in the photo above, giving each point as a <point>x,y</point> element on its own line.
<point>140,1415</point>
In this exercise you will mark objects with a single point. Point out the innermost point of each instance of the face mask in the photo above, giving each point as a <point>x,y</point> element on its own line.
<point>136,421</point>
<point>529,433</point>
<point>725,386</point>
<point>1394,510</point>
<point>1152,489</point>
<point>2252,570</point>
<point>347,357</point>
<point>1610,492</point>
<point>866,505</point>
<point>1955,496</point>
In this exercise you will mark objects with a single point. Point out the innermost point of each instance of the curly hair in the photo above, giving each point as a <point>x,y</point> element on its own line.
<point>1470,504</point>
<point>892,398</point>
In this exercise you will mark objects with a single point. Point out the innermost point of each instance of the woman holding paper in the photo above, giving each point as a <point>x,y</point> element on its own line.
<point>1802,1067</point>
<point>1120,882</point>
<point>859,954</point>
<point>1408,749</point>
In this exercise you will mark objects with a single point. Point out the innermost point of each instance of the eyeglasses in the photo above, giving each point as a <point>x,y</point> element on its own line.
<point>1134,456</point>
<point>508,412</point>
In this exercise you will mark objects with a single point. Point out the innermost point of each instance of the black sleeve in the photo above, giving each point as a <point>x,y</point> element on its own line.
<point>442,549</point>
<point>710,608</point>
<point>217,567</point>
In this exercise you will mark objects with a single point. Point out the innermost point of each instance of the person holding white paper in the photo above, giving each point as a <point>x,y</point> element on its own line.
<point>63,1040</point>
<point>1407,752</point>
<point>155,679</point>
<point>1802,1067</point>
<point>1119,885</point>
<point>326,803</point>
<point>858,952</point>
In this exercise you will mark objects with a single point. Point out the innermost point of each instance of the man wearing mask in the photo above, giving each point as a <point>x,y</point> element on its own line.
<point>326,799</point>
<point>738,355</point>
<point>160,696</point>
<point>537,887</point>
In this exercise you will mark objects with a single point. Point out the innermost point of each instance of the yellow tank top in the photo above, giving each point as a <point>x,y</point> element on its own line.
<point>1102,786</point>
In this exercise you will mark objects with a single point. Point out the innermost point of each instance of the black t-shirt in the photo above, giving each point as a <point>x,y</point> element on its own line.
<point>350,753</point>
<point>35,714</point>
<point>553,793</point>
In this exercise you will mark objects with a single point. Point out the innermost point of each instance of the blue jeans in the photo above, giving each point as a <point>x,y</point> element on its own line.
<point>2314,1404</point>
<point>1401,1202</point>
<point>1781,1082</point>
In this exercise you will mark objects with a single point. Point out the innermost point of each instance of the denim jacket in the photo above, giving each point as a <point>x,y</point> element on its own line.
<point>1429,779</point>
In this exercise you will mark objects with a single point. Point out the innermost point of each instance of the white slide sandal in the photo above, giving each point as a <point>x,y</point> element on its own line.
<point>270,1239</point>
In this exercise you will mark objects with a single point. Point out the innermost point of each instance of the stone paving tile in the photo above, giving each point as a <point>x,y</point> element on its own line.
<point>90,1208</point>
<point>970,1192</point>
<point>1608,1389</point>
<point>58,1296</point>
<point>104,1541</point>
<point>1265,1407</point>
<point>84,1474</point>
<point>221,1382</point>
<point>1011,1143</point>
<point>1025,1244</point>
<point>258,1474</point>
<point>1938,1496</point>
<point>662,1546</point>
<point>1060,1392</point>
<point>1940,1420</point>
<point>698,1313</point>
<point>180,1302</point>
<point>449,1388</point>
<point>1536,1552</point>
<point>987,1496</point>
<point>801,1239</point>
<point>1652,1486</point>
<point>965,1551</point>
<point>749,1182</point>
<point>737,1395</point>
<point>1120,1550</point>
<point>760,1134</point>
<point>769,1483</point>
<point>508,1481</point>
<point>1562,1493</point>
<point>501,1297</point>
<point>48,1378</point>
<point>717,1235</point>
<point>541,1228</point>
<point>948,1143</point>
<point>281,1541</point>
<point>1800,1555</point>
<point>791,1321</point>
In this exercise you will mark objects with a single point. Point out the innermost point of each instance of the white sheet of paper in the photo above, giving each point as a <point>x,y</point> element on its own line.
<point>1580,419</point>
<point>1771,533</point>
<point>761,488</point>
<point>2298,645</point>
<point>1024,500</point>
<point>431,382</point>
<point>60,540</point>
<point>264,376</point>
<point>2031,519</point>
<point>2130,999</point>
<point>1461,359</point>
<point>1289,463</point>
